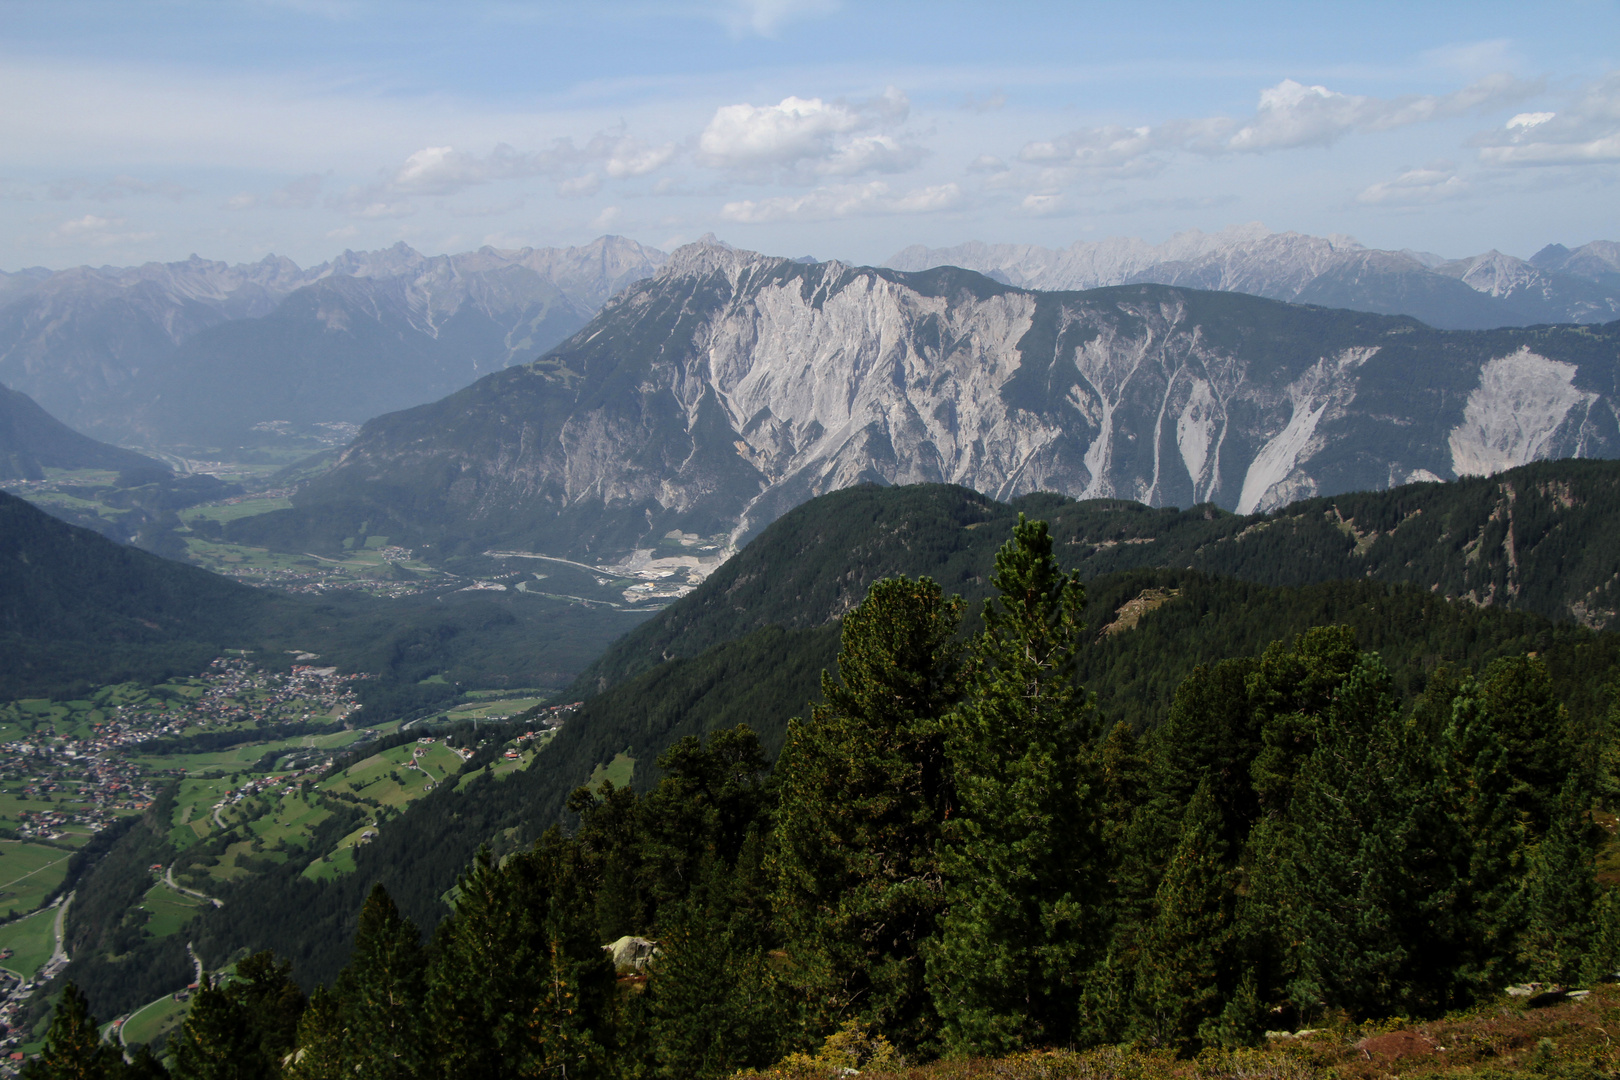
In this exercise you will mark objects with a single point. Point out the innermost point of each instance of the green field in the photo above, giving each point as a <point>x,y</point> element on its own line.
<point>31,939</point>
<point>291,821</point>
<point>619,771</point>
<point>159,1018</point>
<point>339,862</point>
<point>242,757</point>
<point>223,512</point>
<point>169,910</point>
<point>194,809</point>
<point>28,872</point>
<point>503,707</point>
<point>389,777</point>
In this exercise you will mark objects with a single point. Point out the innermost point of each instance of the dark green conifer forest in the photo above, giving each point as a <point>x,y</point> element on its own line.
<point>1365,803</point>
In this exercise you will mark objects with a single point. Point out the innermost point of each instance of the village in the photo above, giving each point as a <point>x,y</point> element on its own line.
<point>82,769</point>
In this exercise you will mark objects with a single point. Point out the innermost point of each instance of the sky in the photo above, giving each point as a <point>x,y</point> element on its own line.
<point>138,130</point>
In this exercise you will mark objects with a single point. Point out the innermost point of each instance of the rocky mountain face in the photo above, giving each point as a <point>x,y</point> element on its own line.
<point>1598,261</point>
<point>1482,292</point>
<point>731,387</point>
<point>200,351</point>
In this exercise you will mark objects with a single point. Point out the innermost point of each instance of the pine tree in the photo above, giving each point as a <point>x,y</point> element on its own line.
<point>271,1001</point>
<point>319,1053</point>
<point>716,1006</point>
<point>864,791</point>
<point>381,991</point>
<point>1561,896</point>
<point>1187,963</point>
<point>1022,856</point>
<point>1342,868</point>
<point>217,1042</point>
<point>73,1047</point>
<point>1507,762</point>
<point>519,985</point>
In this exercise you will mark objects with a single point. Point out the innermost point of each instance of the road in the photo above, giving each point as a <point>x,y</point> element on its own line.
<point>59,958</point>
<point>195,959</point>
<point>168,879</point>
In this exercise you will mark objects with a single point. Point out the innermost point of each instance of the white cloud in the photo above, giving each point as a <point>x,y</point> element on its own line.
<point>847,200</point>
<point>300,193</point>
<point>766,18</point>
<point>1529,119</point>
<point>989,103</point>
<point>1108,148</point>
<point>871,153</point>
<point>1044,205</point>
<point>810,137</point>
<point>1585,133</point>
<point>1291,114</point>
<point>798,128</point>
<point>444,170</point>
<point>1288,115</point>
<point>580,186</point>
<point>630,158</point>
<point>96,231</point>
<point>1430,184</point>
<point>343,232</point>
<point>608,216</point>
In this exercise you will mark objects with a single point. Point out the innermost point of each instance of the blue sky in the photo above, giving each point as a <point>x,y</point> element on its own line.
<point>151,129</point>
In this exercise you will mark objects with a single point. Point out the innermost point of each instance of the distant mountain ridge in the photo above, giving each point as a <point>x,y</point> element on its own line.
<point>732,386</point>
<point>202,351</point>
<point>1477,293</point>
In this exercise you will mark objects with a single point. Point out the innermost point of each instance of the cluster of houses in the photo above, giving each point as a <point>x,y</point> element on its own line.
<point>83,785</point>
<point>279,784</point>
<point>15,990</point>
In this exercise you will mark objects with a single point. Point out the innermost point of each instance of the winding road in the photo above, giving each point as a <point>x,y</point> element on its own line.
<point>168,879</point>
<point>60,956</point>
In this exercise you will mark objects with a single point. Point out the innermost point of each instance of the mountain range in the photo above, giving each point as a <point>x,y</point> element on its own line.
<point>1556,285</point>
<point>199,352</point>
<point>731,386</point>
<point>204,354</point>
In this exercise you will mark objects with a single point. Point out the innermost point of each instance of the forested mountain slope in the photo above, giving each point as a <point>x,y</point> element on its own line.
<point>78,610</point>
<point>731,387</point>
<point>32,440</point>
<point>751,643</point>
<point>1537,538</point>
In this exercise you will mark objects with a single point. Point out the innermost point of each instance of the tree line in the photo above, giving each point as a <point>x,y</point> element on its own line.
<point>955,855</point>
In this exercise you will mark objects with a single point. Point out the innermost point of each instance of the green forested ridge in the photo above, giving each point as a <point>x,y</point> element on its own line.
<point>960,852</point>
<point>769,674</point>
<point>774,621</point>
<point>1535,538</point>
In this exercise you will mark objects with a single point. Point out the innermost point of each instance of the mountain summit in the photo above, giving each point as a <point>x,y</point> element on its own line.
<point>732,386</point>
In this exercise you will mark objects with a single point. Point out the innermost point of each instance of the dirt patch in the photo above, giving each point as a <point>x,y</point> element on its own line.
<point>1396,1045</point>
<point>1130,613</point>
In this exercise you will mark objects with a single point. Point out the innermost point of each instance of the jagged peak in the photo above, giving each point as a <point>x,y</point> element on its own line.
<point>708,255</point>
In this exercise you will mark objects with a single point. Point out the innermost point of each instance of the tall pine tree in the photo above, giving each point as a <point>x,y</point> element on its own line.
<point>1022,855</point>
<point>864,791</point>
